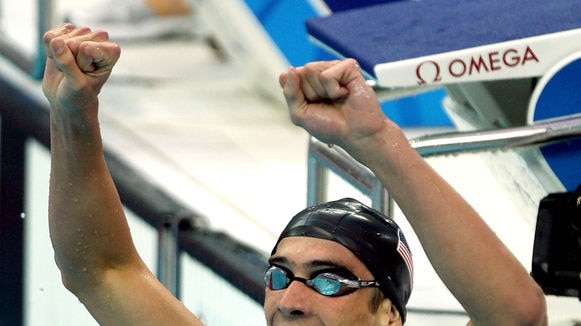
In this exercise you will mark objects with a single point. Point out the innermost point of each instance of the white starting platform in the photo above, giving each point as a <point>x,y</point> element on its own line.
<point>511,71</point>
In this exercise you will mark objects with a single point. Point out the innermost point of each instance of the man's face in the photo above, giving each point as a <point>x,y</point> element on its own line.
<point>298,304</point>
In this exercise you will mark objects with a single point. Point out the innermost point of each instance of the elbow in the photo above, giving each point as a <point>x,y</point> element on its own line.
<point>80,285</point>
<point>525,308</point>
<point>532,310</point>
<point>69,283</point>
<point>538,310</point>
<point>69,279</point>
<point>76,280</point>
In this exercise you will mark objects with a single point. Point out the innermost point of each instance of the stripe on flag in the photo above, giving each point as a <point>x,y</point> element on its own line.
<point>404,251</point>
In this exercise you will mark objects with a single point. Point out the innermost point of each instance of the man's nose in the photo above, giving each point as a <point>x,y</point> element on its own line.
<point>296,300</point>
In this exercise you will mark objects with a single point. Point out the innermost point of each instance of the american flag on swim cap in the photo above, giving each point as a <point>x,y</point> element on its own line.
<point>404,250</point>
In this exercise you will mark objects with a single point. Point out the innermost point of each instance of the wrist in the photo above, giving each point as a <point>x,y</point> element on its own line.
<point>73,121</point>
<point>385,140</point>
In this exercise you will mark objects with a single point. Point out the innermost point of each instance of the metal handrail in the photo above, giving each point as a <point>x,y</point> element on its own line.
<point>494,139</point>
<point>321,156</point>
<point>337,160</point>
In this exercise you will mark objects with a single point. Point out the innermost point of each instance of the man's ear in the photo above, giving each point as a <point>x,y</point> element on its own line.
<point>395,318</point>
<point>390,312</point>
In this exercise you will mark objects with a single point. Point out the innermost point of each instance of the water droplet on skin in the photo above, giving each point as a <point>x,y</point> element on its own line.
<point>361,90</point>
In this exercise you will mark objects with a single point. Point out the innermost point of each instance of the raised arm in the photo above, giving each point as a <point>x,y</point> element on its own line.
<point>91,238</point>
<point>334,104</point>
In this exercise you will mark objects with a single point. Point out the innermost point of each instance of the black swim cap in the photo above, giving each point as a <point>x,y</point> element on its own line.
<point>374,238</point>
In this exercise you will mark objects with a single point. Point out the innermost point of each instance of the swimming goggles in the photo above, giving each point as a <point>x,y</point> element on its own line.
<point>326,283</point>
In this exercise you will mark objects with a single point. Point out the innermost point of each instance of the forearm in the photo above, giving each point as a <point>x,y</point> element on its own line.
<point>474,264</point>
<point>87,224</point>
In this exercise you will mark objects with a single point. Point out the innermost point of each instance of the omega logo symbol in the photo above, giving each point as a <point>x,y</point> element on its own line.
<point>428,68</point>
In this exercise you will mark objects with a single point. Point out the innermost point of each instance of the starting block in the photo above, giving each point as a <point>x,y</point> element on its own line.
<point>511,71</point>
